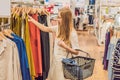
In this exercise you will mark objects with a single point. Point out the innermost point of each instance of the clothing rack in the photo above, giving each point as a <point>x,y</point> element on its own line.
<point>5,25</point>
<point>26,3</point>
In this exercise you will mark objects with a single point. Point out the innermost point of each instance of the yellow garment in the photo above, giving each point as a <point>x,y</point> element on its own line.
<point>28,49</point>
<point>16,25</point>
<point>107,10</point>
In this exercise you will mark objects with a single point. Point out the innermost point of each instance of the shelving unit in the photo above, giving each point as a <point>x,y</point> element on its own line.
<point>103,6</point>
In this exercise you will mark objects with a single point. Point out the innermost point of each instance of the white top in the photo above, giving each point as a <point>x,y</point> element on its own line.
<point>56,70</point>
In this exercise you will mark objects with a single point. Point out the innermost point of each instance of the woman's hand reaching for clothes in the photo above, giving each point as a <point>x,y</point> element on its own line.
<point>39,25</point>
<point>30,18</point>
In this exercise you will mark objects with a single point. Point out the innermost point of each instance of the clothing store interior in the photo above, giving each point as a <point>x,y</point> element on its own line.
<point>39,36</point>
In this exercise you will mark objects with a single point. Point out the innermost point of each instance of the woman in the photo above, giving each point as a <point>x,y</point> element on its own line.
<point>66,41</point>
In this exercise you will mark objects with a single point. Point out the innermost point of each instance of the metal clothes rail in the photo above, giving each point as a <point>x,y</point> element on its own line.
<point>26,3</point>
<point>5,25</point>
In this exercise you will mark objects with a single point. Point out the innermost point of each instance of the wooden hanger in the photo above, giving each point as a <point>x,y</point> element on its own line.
<point>19,11</point>
<point>8,33</point>
<point>39,10</point>
<point>28,10</point>
<point>2,36</point>
<point>23,12</point>
<point>46,12</point>
<point>12,10</point>
<point>15,12</point>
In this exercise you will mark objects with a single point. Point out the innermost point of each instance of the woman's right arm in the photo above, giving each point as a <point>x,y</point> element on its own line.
<point>39,25</point>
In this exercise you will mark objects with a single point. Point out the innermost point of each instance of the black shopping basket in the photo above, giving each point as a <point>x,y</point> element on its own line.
<point>78,68</point>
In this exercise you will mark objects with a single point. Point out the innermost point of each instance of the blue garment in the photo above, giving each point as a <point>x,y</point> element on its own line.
<point>92,2</point>
<point>23,57</point>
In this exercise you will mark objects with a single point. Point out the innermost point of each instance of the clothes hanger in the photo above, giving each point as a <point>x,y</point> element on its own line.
<point>7,33</point>
<point>28,10</point>
<point>33,10</point>
<point>23,12</point>
<point>42,12</point>
<point>46,12</point>
<point>14,13</point>
<point>19,10</point>
<point>2,36</point>
<point>39,10</point>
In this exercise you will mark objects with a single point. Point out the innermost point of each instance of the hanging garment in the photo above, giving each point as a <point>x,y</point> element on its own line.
<point>107,41</point>
<point>23,57</point>
<point>105,27</point>
<point>9,61</point>
<point>36,46</point>
<point>117,20</point>
<point>16,25</point>
<point>56,69</point>
<point>116,62</point>
<point>28,48</point>
<point>110,55</point>
<point>23,26</point>
<point>45,47</point>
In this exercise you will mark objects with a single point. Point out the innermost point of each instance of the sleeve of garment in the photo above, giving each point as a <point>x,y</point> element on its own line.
<point>74,40</point>
<point>54,28</point>
<point>17,69</point>
<point>109,51</point>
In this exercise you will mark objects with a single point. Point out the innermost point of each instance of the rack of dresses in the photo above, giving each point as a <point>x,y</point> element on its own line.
<point>36,41</point>
<point>13,59</point>
<point>111,57</point>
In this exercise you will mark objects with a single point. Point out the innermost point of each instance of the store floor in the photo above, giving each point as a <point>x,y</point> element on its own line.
<point>88,43</point>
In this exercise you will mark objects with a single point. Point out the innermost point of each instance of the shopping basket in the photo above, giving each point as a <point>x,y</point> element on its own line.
<point>78,68</point>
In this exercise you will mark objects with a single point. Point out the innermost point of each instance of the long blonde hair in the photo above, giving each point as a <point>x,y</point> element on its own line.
<point>66,25</point>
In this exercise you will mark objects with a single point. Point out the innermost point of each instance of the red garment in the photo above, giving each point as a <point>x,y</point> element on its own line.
<point>36,46</point>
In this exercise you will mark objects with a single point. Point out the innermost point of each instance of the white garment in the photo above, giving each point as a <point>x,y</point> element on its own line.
<point>104,29</point>
<point>117,20</point>
<point>9,61</point>
<point>56,69</point>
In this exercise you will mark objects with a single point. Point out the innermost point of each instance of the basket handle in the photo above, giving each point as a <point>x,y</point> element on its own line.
<point>88,55</point>
<point>84,52</point>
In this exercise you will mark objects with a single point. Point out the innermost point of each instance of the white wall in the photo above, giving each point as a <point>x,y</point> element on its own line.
<point>5,8</point>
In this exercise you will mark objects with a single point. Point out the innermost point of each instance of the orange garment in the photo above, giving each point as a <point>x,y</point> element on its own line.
<point>36,46</point>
